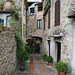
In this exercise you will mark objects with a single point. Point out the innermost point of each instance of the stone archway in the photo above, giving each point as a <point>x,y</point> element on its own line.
<point>36,44</point>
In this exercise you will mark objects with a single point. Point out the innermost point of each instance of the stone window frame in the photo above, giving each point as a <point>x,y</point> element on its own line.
<point>32,11</point>
<point>40,24</point>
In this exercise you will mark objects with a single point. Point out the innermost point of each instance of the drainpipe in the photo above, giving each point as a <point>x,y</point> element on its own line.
<point>26,24</point>
<point>22,17</point>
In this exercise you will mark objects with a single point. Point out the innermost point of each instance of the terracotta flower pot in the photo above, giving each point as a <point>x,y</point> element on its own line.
<point>61,73</point>
<point>1,8</point>
<point>50,63</point>
<point>8,6</point>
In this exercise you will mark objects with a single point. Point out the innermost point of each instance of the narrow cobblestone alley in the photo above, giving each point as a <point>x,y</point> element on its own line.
<point>37,66</point>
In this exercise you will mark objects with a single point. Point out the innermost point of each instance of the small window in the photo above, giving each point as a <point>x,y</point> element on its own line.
<point>32,11</point>
<point>39,24</point>
<point>1,21</point>
<point>39,8</point>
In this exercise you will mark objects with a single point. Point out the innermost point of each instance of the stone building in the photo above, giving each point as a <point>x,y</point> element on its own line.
<point>59,29</point>
<point>21,7</point>
<point>35,25</point>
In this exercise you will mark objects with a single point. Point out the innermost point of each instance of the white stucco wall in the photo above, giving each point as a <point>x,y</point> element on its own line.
<point>3,16</point>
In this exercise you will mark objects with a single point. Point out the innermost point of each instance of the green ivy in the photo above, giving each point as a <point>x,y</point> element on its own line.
<point>14,9</point>
<point>28,49</point>
<point>46,4</point>
<point>21,53</point>
<point>13,22</point>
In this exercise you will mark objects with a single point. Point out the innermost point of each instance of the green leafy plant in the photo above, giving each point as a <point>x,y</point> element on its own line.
<point>28,49</point>
<point>21,53</point>
<point>1,4</point>
<point>13,22</point>
<point>44,57</point>
<point>19,29</point>
<point>13,1</point>
<point>49,59</point>
<point>46,4</point>
<point>1,23</point>
<point>14,9</point>
<point>61,66</point>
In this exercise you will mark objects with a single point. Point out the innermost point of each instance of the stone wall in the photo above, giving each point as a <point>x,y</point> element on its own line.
<point>65,28</point>
<point>31,22</point>
<point>39,16</point>
<point>7,51</point>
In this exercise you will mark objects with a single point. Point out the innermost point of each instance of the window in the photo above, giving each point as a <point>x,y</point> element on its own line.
<point>1,21</point>
<point>39,24</point>
<point>39,8</point>
<point>57,13</point>
<point>49,20</point>
<point>32,11</point>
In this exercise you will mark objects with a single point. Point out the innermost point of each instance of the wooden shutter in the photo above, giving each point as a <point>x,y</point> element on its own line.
<point>44,23</point>
<point>49,20</point>
<point>57,13</point>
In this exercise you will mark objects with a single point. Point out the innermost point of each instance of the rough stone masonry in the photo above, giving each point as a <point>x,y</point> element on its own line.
<point>7,51</point>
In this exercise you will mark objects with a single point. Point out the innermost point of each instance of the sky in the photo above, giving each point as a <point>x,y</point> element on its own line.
<point>34,0</point>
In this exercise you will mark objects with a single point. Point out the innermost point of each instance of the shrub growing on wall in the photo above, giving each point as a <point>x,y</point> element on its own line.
<point>28,49</point>
<point>22,54</point>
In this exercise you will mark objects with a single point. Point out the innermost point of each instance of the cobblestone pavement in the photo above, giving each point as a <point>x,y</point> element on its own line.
<point>37,66</point>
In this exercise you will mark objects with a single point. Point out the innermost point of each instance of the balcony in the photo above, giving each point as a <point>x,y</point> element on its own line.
<point>72,12</point>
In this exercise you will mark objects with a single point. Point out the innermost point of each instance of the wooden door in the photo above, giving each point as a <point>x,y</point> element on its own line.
<point>38,48</point>
<point>49,47</point>
<point>58,51</point>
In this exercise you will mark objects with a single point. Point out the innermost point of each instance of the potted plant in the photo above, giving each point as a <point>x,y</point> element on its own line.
<point>24,57</point>
<point>44,57</point>
<point>1,5</point>
<point>61,67</point>
<point>49,59</point>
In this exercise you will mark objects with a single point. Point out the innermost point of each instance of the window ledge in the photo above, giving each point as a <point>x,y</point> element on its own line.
<point>57,35</point>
